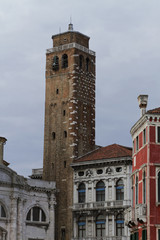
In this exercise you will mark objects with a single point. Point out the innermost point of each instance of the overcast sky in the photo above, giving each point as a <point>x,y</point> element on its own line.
<point>125,34</point>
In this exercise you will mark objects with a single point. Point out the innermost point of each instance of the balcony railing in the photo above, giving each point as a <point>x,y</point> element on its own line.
<point>102,238</point>
<point>107,204</point>
<point>135,214</point>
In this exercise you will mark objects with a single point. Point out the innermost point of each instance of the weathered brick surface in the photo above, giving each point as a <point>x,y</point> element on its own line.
<point>76,95</point>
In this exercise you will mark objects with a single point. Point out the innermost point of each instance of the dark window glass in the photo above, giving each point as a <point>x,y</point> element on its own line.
<point>55,65</point>
<point>64,61</point>
<point>81,227</point>
<point>81,193</point>
<point>159,187</point>
<point>144,187</point>
<point>63,234</point>
<point>100,191</point>
<point>119,190</point>
<point>57,91</point>
<point>144,136</point>
<point>144,234</point>
<point>3,213</point>
<point>64,112</point>
<point>136,190</point>
<point>137,143</point>
<point>100,226</point>
<point>36,213</point>
<point>158,234</point>
<point>64,164</point>
<point>29,215</point>
<point>120,225</point>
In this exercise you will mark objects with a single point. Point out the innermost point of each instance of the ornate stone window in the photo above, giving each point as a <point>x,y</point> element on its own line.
<point>55,64</point>
<point>100,226</point>
<point>81,227</point>
<point>64,61</point>
<point>119,190</point>
<point>120,225</point>
<point>36,214</point>
<point>81,193</point>
<point>2,212</point>
<point>100,191</point>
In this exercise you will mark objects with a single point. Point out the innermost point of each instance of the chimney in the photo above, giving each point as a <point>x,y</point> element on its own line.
<point>2,142</point>
<point>143,100</point>
<point>70,27</point>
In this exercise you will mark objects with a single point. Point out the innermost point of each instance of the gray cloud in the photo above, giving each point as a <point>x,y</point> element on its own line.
<point>125,35</point>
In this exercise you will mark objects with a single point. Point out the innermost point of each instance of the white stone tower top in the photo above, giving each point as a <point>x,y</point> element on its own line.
<point>143,100</point>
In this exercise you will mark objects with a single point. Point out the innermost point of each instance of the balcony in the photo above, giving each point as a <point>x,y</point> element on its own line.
<point>135,215</point>
<point>100,205</point>
<point>102,238</point>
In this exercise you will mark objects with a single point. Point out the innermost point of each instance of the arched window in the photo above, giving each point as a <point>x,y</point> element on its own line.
<point>64,61</point>
<point>55,65</point>
<point>119,190</point>
<point>81,227</point>
<point>144,187</point>
<point>100,191</point>
<point>2,212</point>
<point>159,187</point>
<point>136,189</point>
<point>81,193</point>
<point>100,226</point>
<point>36,214</point>
<point>80,61</point>
<point>87,64</point>
<point>120,225</point>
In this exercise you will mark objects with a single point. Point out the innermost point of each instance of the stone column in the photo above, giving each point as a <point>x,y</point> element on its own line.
<point>87,197</point>
<point>113,190</point>
<point>2,142</point>
<point>107,233</point>
<point>113,226</point>
<point>20,219</point>
<point>13,225</point>
<point>75,235</point>
<point>51,233</point>
<point>75,193</point>
<point>106,192</point>
<point>125,188</point>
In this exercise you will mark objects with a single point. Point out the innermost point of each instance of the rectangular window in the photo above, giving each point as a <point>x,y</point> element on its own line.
<point>137,143</point>
<point>63,234</point>
<point>158,134</point>
<point>144,136</point>
<point>158,234</point>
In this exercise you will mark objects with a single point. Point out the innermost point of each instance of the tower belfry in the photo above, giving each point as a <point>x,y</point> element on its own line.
<point>69,116</point>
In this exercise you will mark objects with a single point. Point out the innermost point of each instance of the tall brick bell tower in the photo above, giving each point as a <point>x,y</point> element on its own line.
<point>69,117</point>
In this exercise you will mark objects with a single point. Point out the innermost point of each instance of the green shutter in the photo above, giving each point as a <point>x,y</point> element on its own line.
<point>144,234</point>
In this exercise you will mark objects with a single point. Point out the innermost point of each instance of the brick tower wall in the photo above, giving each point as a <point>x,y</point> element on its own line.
<point>71,134</point>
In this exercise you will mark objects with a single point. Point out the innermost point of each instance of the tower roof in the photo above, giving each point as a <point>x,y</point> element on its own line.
<point>111,151</point>
<point>154,111</point>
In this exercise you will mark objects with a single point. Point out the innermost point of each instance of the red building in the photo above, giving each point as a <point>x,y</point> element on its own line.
<point>143,218</point>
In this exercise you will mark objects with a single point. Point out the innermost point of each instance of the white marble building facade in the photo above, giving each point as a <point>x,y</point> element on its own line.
<point>101,194</point>
<point>27,207</point>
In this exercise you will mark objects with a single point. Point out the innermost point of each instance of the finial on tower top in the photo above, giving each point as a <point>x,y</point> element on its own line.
<point>70,26</point>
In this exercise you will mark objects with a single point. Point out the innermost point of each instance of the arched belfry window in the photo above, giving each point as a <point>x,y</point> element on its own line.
<point>2,212</point>
<point>64,61</point>
<point>55,64</point>
<point>158,186</point>
<point>120,225</point>
<point>100,191</point>
<point>119,190</point>
<point>80,61</point>
<point>100,226</point>
<point>87,64</point>
<point>81,193</point>
<point>36,214</point>
<point>81,227</point>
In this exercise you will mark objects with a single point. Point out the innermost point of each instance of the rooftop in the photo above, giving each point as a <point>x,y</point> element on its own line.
<point>154,111</point>
<point>111,151</point>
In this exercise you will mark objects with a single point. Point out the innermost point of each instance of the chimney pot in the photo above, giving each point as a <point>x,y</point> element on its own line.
<point>2,142</point>
<point>143,100</point>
